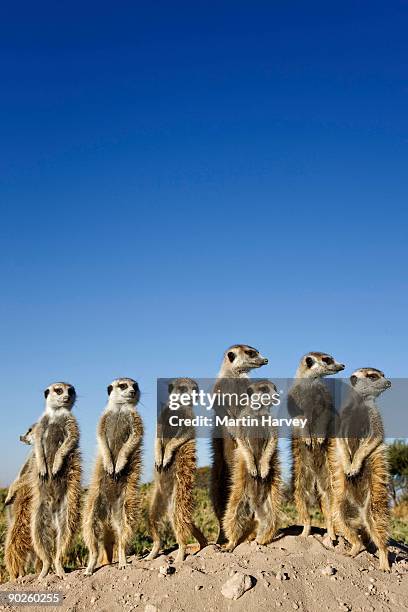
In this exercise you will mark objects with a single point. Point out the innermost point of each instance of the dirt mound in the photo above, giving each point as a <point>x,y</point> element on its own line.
<point>292,573</point>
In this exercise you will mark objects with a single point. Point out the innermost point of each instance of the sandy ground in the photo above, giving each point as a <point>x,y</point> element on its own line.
<point>292,573</point>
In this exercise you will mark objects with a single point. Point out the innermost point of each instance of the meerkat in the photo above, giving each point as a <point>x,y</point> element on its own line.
<point>309,397</point>
<point>55,478</point>
<point>175,466</point>
<point>256,485</point>
<point>360,468</point>
<point>238,361</point>
<point>112,504</point>
<point>18,549</point>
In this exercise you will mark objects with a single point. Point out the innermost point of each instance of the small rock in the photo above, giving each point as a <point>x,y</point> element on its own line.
<point>166,570</point>
<point>198,587</point>
<point>150,608</point>
<point>295,606</point>
<point>328,570</point>
<point>94,600</point>
<point>282,576</point>
<point>236,586</point>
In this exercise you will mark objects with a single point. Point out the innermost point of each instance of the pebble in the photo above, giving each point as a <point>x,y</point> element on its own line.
<point>166,570</point>
<point>236,586</point>
<point>282,576</point>
<point>328,570</point>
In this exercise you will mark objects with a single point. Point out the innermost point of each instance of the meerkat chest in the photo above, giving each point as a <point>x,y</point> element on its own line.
<point>53,437</point>
<point>119,426</point>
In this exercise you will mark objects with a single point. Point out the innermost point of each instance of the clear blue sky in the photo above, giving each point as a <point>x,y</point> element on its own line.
<point>180,176</point>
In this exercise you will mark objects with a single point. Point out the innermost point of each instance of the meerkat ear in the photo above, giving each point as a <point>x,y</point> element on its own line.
<point>110,387</point>
<point>309,361</point>
<point>231,356</point>
<point>170,387</point>
<point>46,393</point>
<point>353,380</point>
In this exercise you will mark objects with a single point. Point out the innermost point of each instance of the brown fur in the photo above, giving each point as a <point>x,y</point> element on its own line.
<point>112,503</point>
<point>175,461</point>
<point>310,448</point>
<point>256,486</point>
<point>223,447</point>
<point>56,486</point>
<point>361,476</point>
<point>18,550</point>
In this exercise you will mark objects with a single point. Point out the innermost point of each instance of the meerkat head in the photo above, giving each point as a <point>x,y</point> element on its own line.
<point>369,382</point>
<point>28,437</point>
<point>241,358</point>
<point>317,365</point>
<point>263,391</point>
<point>59,395</point>
<point>124,391</point>
<point>183,386</point>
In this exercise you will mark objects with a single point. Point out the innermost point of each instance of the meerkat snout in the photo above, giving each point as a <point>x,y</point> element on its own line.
<point>317,365</point>
<point>28,437</point>
<point>124,391</point>
<point>60,395</point>
<point>243,358</point>
<point>369,382</point>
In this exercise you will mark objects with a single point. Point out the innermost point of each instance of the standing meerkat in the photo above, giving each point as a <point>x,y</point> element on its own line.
<point>55,478</point>
<point>175,463</point>
<point>310,398</point>
<point>238,361</point>
<point>111,506</point>
<point>360,468</point>
<point>256,484</point>
<point>18,549</point>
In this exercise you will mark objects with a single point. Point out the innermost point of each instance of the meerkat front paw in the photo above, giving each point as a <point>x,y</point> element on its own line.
<point>56,468</point>
<point>120,464</point>
<point>264,471</point>
<point>9,499</point>
<point>109,467</point>
<point>42,473</point>
<point>166,461</point>
<point>353,470</point>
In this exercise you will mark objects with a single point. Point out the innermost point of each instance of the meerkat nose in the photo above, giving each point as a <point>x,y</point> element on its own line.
<point>265,361</point>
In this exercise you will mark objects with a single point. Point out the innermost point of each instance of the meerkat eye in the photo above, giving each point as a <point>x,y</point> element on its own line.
<point>58,391</point>
<point>328,360</point>
<point>183,389</point>
<point>122,386</point>
<point>251,353</point>
<point>373,376</point>
<point>264,389</point>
